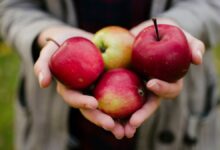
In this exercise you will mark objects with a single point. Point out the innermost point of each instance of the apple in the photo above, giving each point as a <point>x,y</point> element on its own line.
<point>77,63</point>
<point>120,93</point>
<point>164,54</point>
<point>115,43</point>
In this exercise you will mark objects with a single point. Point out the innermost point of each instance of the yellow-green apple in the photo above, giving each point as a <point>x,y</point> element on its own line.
<point>161,51</point>
<point>77,63</point>
<point>115,43</point>
<point>120,93</point>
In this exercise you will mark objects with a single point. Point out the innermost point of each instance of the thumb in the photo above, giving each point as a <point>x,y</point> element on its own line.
<point>41,67</point>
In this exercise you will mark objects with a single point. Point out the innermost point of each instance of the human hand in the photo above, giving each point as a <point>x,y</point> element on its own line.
<point>158,87</point>
<point>87,104</point>
<point>73,98</point>
<point>165,89</point>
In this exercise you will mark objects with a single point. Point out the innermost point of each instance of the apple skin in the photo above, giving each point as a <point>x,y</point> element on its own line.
<point>120,93</point>
<point>115,43</point>
<point>167,59</point>
<point>77,63</point>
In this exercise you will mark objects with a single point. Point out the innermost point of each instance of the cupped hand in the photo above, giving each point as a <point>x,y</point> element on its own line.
<point>75,99</point>
<point>160,88</point>
<point>87,104</point>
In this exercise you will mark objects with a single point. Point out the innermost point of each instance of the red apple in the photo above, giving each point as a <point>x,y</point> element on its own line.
<point>77,63</point>
<point>119,93</point>
<point>115,43</point>
<point>164,54</point>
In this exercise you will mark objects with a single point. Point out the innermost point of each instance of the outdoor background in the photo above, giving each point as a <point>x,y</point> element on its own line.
<point>9,68</point>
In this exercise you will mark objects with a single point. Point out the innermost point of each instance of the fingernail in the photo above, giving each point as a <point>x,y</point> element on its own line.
<point>41,77</point>
<point>107,128</point>
<point>199,54</point>
<point>118,137</point>
<point>130,136</point>
<point>153,85</point>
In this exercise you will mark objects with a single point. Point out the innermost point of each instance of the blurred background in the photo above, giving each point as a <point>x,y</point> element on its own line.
<point>9,68</point>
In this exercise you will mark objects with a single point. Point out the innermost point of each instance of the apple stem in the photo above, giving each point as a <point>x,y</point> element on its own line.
<point>55,42</point>
<point>156,28</point>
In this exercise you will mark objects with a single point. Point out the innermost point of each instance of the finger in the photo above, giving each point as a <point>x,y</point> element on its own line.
<point>118,131</point>
<point>145,112</point>
<point>129,130</point>
<point>99,118</point>
<point>197,48</point>
<point>165,89</point>
<point>75,98</point>
<point>41,67</point>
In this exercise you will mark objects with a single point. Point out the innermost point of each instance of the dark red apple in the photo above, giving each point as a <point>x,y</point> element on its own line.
<point>77,63</point>
<point>120,93</point>
<point>164,54</point>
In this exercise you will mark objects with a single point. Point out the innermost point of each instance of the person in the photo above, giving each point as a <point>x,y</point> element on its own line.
<point>58,118</point>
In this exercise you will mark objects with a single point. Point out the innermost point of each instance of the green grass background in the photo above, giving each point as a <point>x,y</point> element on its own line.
<point>9,68</point>
<point>216,54</point>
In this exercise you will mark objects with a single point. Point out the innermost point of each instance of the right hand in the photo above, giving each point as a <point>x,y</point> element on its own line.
<point>86,104</point>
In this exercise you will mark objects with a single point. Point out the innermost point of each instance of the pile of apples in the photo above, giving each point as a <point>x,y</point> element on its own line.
<point>117,64</point>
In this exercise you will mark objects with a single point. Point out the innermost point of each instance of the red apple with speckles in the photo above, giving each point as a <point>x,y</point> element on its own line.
<point>120,93</point>
<point>77,63</point>
<point>164,54</point>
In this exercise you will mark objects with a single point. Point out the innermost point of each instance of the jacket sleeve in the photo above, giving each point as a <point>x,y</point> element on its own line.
<point>20,23</point>
<point>198,17</point>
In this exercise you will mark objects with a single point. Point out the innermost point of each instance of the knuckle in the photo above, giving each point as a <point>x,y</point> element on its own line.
<point>83,105</point>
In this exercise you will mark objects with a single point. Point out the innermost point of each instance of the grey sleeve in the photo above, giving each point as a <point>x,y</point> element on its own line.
<point>201,18</point>
<point>20,23</point>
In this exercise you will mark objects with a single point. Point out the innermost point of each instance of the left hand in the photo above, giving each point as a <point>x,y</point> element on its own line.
<point>162,89</point>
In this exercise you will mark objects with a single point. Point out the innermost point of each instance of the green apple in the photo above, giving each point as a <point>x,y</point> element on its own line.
<point>115,43</point>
